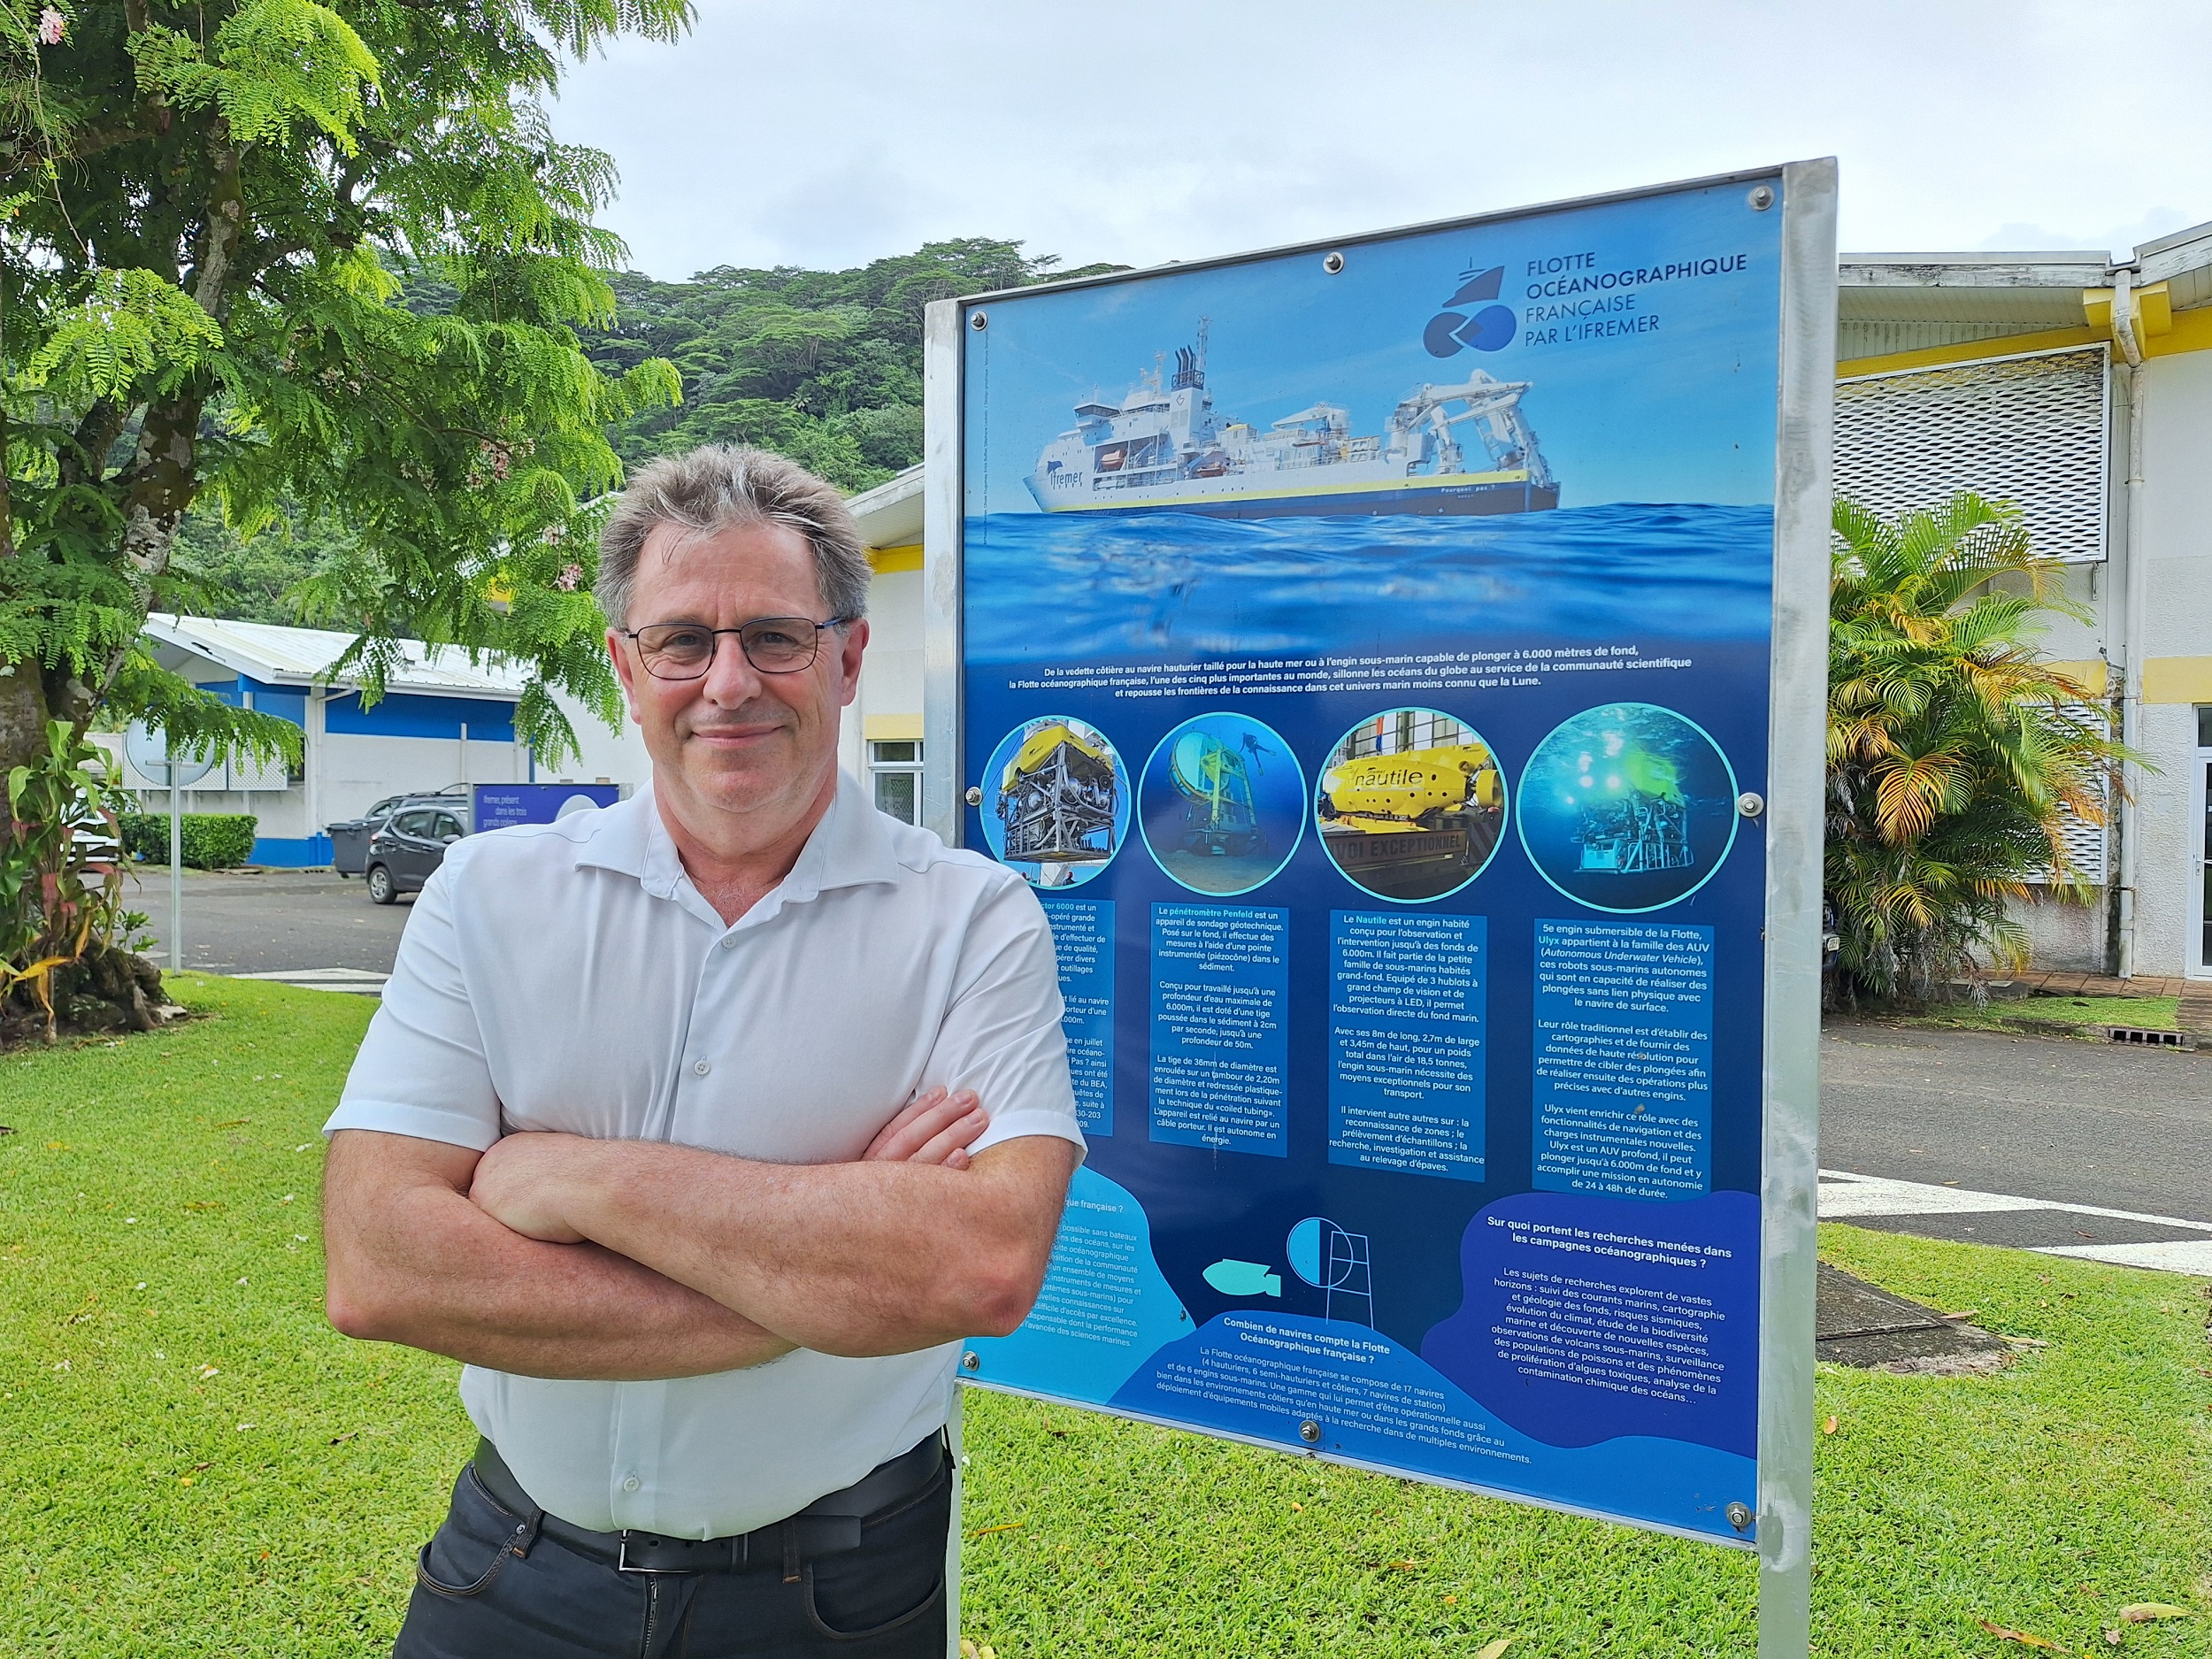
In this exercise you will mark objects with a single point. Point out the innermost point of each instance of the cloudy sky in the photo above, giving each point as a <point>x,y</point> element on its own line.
<point>829,133</point>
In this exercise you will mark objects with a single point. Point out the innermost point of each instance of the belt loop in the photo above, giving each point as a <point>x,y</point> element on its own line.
<point>526,1533</point>
<point>790,1551</point>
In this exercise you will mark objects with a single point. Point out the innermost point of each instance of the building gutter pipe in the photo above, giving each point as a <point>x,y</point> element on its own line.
<point>2131,587</point>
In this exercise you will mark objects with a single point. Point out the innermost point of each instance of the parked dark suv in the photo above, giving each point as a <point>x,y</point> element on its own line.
<point>349,837</point>
<point>408,846</point>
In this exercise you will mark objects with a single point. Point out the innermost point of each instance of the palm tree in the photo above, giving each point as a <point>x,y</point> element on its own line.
<point>1955,753</point>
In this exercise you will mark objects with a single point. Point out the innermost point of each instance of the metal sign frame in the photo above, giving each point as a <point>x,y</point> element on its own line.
<point>1804,441</point>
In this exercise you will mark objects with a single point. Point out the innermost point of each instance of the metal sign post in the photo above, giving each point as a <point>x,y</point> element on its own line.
<point>176,874</point>
<point>1397,664</point>
<point>147,752</point>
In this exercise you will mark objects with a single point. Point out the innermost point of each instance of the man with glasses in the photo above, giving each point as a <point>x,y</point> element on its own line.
<point>701,1128</point>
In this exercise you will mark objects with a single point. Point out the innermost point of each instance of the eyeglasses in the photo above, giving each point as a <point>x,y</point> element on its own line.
<point>774,645</point>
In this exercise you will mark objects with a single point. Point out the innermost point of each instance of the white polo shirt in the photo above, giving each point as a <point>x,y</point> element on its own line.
<point>569,977</point>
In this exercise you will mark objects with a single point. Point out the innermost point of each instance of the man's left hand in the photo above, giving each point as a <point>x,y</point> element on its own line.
<point>519,1182</point>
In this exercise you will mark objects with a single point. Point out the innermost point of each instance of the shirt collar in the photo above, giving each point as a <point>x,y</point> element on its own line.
<point>851,847</point>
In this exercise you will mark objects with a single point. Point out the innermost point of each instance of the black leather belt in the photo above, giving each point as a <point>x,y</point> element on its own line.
<point>832,1522</point>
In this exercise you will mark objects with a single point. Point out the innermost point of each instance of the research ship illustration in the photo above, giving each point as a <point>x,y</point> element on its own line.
<point>1460,449</point>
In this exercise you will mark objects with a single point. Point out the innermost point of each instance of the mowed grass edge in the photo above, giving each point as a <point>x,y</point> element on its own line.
<point>202,1467</point>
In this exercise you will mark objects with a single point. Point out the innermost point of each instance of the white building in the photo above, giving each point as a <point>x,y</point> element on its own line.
<point>442,720</point>
<point>2081,389</point>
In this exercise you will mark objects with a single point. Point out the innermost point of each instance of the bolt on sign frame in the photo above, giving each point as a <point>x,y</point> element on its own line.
<point>1440,615</point>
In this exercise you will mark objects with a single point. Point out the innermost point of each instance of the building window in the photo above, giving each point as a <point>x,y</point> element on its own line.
<point>896,769</point>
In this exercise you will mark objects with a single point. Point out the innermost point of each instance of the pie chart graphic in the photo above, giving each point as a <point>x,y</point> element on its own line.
<point>1334,1263</point>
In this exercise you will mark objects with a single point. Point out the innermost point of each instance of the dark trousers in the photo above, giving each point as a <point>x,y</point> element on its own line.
<point>492,1584</point>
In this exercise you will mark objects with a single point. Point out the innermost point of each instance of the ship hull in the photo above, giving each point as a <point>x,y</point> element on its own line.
<point>1471,499</point>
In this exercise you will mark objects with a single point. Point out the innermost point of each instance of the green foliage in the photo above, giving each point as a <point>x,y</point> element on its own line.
<point>251,578</point>
<point>211,841</point>
<point>212,211</point>
<point>130,329</point>
<point>275,62</point>
<point>824,366</point>
<point>56,897</point>
<point>1954,752</point>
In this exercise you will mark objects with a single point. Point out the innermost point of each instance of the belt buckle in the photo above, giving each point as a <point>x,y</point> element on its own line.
<point>727,1560</point>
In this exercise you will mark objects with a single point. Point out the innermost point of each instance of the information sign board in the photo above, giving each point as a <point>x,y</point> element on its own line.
<point>497,805</point>
<point>1396,665</point>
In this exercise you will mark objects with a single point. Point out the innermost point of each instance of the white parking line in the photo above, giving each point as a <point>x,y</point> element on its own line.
<point>1846,1196</point>
<point>360,981</point>
<point>2176,1256</point>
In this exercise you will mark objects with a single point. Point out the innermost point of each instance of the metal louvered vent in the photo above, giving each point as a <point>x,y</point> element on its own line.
<point>2085,846</point>
<point>2031,430</point>
<point>2084,841</point>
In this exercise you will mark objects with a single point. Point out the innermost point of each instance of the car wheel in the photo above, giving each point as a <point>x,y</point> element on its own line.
<point>381,888</point>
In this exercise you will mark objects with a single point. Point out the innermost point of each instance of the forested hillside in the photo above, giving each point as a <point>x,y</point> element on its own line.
<point>824,366</point>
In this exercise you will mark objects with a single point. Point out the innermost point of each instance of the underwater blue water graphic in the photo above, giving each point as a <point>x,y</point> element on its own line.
<point>1086,587</point>
<point>1225,833</point>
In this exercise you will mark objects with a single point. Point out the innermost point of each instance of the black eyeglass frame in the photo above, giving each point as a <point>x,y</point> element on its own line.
<point>707,667</point>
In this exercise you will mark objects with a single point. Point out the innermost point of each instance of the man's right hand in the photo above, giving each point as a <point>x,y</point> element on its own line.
<point>936,1129</point>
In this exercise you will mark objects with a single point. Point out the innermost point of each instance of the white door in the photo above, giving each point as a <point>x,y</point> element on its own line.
<point>2200,888</point>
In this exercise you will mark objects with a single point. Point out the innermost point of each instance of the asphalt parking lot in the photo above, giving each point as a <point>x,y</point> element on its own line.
<point>280,921</point>
<point>2067,1121</point>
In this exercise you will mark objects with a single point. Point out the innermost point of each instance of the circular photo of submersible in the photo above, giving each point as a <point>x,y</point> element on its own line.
<point>1055,801</point>
<point>1222,804</point>
<point>1628,807</point>
<point>1410,805</point>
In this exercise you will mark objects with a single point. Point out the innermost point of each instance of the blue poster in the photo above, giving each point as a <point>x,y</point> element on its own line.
<point>497,805</point>
<point>1381,643</point>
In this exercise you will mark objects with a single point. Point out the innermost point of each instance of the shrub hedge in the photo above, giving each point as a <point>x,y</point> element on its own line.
<point>212,840</point>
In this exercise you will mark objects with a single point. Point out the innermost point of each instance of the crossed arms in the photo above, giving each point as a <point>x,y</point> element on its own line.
<point>560,1255</point>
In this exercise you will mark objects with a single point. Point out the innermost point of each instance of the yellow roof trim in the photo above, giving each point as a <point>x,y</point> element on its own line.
<point>2177,679</point>
<point>2191,331</point>
<point>1970,352</point>
<point>887,561</point>
<point>2091,673</point>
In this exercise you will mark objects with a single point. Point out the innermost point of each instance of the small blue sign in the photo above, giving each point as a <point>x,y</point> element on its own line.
<point>497,805</point>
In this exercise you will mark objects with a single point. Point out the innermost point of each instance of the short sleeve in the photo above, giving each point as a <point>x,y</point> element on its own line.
<point>1001,1035</point>
<point>421,1069</point>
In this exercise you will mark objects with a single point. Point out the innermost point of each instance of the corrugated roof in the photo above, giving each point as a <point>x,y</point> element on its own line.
<point>301,656</point>
<point>890,515</point>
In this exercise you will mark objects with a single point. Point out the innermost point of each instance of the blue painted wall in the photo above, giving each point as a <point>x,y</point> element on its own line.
<point>405,715</point>
<point>401,714</point>
<point>291,852</point>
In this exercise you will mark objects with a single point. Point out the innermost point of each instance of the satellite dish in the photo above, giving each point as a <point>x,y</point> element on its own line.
<point>147,752</point>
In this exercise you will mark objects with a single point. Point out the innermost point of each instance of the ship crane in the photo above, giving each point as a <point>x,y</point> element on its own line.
<point>1495,404</point>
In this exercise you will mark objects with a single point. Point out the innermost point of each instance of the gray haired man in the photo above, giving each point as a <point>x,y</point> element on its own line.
<point>700,1128</point>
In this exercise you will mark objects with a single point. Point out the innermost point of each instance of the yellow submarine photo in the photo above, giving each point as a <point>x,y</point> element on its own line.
<point>1410,805</point>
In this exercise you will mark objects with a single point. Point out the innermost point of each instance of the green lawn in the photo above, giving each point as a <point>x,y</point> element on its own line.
<point>2152,1013</point>
<point>194,1465</point>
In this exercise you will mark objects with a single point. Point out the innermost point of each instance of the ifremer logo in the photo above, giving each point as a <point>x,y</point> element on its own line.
<point>1489,329</point>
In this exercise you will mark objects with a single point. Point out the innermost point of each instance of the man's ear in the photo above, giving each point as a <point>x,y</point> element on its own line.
<point>849,653</point>
<point>624,670</point>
